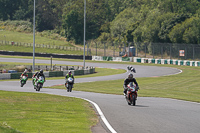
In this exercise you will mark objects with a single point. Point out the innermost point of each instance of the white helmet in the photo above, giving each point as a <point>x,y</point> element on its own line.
<point>25,71</point>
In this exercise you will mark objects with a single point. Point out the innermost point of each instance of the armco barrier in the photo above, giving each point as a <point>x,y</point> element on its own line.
<point>108,58</point>
<point>5,76</point>
<point>119,59</point>
<point>56,74</point>
<point>98,58</point>
<point>167,61</point>
<point>150,60</point>
<point>48,74</point>
<point>126,59</point>
<point>45,55</point>
<point>79,72</point>
<point>15,75</point>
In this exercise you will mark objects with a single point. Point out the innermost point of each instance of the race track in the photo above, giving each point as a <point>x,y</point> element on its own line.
<point>150,115</point>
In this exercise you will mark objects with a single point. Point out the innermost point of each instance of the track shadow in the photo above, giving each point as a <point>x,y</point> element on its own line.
<point>142,106</point>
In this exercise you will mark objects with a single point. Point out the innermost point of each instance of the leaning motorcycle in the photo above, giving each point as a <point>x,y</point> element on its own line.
<point>23,80</point>
<point>69,84</point>
<point>131,96</point>
<point>132,69</point>
<point>38,83</point>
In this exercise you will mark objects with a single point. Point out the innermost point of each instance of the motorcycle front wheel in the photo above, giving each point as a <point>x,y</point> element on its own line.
<point>133,100</point>
<point>22,84</point>
<point>70,88</point>
<point>38,87</point>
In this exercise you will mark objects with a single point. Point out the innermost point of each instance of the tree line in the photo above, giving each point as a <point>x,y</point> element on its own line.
<point>158,21</point>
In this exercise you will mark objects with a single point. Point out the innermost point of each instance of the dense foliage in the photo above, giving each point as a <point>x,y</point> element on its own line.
<point>167,21</point>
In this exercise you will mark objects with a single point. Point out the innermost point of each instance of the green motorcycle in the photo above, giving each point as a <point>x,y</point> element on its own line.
<point>23,80</point>
<point>38,83</point>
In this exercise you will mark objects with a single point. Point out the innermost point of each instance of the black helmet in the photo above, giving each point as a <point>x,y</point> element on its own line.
<point>130,76</point>
<point>41,71</point>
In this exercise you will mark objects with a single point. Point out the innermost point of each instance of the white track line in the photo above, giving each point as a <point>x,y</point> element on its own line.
<point>100,114</point>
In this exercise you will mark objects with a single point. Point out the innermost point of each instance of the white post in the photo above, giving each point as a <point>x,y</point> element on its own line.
<point>34,38</point>
<point>84,32</point>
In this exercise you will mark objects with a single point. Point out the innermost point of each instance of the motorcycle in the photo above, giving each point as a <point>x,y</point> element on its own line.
<point>69,84</point>
<point>38,83</point>
<point>23,80</point>
<point>131,96</point>
<point>130,68</point>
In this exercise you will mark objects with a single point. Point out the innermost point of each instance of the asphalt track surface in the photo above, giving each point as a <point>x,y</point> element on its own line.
<point>150,115</point>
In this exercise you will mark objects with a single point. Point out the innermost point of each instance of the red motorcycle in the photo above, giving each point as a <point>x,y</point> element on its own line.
<point>131,96</point>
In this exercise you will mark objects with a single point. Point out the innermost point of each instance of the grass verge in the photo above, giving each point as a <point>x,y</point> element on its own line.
<point>28,38</point>
<point>31,112</point>
<point>39,50</point>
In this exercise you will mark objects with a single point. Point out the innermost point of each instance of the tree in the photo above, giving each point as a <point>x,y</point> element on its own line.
<point>8,8</point>
<point>73,27</point>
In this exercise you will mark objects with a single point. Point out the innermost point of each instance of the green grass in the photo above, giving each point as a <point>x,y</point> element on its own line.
<point>31,112</point>
<point>28,38</point>
<point>38,50</point>
<point>98,72</point>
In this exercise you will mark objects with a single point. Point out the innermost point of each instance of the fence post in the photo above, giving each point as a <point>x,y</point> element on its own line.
<point>185,52</point>
<point>96,48</point>
<point>170,51</point>
<point>113,49</point>
<point>145,49</point>
<point>162,51</point>
<point>87,48</point>
<point>51,62</point>
<point>104,49</point>
<point>193,51</point>
<point>153,50</point>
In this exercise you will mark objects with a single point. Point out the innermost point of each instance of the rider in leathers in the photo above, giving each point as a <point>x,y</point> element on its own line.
<point>24,74</point>
<point>69,74</point>
<point>38,74</point>
<point>128,80</point>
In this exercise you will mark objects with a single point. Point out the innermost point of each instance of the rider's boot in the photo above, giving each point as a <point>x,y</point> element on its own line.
<point>125,92</point>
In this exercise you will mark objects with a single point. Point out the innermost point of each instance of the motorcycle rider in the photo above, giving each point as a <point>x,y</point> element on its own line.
<point>127,81</point>
<point>24,74</point>
<point>37,75</point>
<point>69,74</point>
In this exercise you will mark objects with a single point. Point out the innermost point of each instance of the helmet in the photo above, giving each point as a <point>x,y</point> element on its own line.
<point>130,76</point>
<point>69,72</point>
<point>41,71</point>
<point>133,70</point>
<point>25,71</point>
